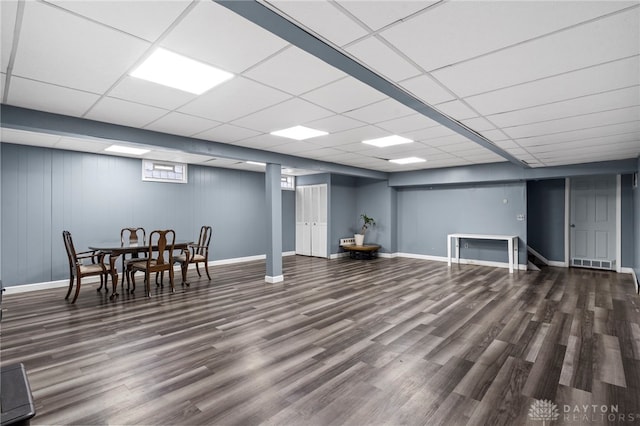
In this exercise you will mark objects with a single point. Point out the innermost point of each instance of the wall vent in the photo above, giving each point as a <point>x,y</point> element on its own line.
<point>593,263</point>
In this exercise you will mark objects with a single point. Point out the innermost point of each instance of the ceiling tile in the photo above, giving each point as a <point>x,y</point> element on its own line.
<point>322,18</point>
<point>136,19</point>
<point>213,34</point>
<point>629,96</point>
<point>223,103</point>
<point>8,11</point>
<point>384,110</point>
<point>456,109</point>
<point>284,115</point>
<point>432,132</point>
<point>425,88</point>
<point>475,28</point>
<point>85,145</point>
<point>333,96</point>
<point>478,124</point>
<point>226,133</point>
<point>601,41</point>
<point>607,143</point>
<point>385,12</point>
<point>91,62</point>
<point>586,121</point>
<point>176,123</point>
<point>381,59</point>
<point>295,148</point>
<point>352,136</point>
<point>47,97</point>
<point>335,123</point>
<point>601,78</point>
<point>126,113</point>
<point>494,135</point>
<point>294,71</point>
<point>23,137</point>
<point>614,129</point>
<point>148,93</point>
<point>408,124</point>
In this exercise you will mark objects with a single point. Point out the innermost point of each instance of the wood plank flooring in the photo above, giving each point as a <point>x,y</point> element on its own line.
<point>339,342</point>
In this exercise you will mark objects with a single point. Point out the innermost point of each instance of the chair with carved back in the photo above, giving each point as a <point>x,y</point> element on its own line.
<point>196,254</point>
<point>78,270</point>
<point>131,236</point>
<point>159,258</point>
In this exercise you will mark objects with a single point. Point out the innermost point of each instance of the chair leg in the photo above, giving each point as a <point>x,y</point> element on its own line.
<point>198,270</point>
<point>133,280</point>
<point>183,268</point>
<point>147,283</point>
<point>173,289</point>
<point>206,268</point>
<point>70,287</point>
<point>77,289</point>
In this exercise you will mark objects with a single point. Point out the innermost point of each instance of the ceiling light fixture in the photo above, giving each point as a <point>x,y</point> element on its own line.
<point>408,160</point>
<point>387,141</point>
<point>256,163</point>
<point>127,150</point>
<point>299,133</point>
<point>182,73</point>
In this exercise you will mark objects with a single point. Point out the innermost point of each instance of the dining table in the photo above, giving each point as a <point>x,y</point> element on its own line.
<point>115,249</point>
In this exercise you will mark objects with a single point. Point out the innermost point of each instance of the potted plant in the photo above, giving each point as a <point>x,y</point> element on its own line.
<point>367,222</point>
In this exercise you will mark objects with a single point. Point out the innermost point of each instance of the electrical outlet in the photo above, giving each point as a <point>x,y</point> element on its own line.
<point>520,217</point>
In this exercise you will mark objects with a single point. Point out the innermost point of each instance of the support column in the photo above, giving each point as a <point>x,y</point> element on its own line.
<point>274,223</point>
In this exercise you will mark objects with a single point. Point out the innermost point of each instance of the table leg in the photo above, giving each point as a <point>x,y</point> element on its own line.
<point>457,250</point>
<point>510,249</point>
<point>449,251</point>
<point>114,275</point>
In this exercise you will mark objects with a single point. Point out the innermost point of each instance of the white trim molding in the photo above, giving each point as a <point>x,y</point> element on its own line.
<point>618,222</point>
<point>631,271</point>
<point>505,265</point>
<point>273,280</point>
<point>567,220</point>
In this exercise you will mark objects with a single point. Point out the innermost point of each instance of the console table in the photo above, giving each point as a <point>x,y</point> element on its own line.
<point>512,245</point>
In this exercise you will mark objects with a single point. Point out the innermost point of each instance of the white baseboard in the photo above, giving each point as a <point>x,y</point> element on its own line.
<point>65,283</point>
<point>273,280</point>
<point>625,270</point>
<point>558,264</point>
<point>462,261</point>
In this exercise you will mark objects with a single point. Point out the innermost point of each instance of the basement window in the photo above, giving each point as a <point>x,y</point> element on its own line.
<point>164,171</point>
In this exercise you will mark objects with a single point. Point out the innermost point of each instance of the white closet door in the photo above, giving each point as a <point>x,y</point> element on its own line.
<point>303,225</point>
<point>319,223</point>
<point>311,220</point>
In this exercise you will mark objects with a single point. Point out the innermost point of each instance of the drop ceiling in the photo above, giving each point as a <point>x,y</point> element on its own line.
<point>545,83</point>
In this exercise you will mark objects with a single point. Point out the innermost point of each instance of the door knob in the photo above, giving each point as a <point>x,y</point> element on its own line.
<point>573,226</point>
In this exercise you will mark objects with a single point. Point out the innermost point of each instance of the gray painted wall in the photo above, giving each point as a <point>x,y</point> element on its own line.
<point>377,200</point>
<point>45,191</point>
<point>343,210</point>
<point>545,217</point>
<point>427,215</point>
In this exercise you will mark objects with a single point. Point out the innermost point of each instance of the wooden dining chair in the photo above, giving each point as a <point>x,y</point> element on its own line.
<point>196,254</point>
<point>159,258</point>
<point>78,270</point>
<point>131,236</point>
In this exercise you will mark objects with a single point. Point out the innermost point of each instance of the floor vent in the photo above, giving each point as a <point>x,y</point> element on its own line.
<point>592,263</point>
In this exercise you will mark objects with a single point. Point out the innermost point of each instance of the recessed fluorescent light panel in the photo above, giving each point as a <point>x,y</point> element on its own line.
<point>256,163</point>
<point>408,160</point>
<point>177,71</point>
<point>387,141</point>
<point>126,150</point>
<point>299,133</point>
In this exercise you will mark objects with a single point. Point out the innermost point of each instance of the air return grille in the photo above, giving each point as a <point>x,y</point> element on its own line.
<point>593,263</point>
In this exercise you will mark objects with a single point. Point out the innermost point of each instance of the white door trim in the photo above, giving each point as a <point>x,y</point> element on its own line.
<point>567,222</point>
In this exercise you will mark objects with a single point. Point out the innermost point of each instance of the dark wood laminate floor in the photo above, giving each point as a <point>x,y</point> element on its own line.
<point>339,342</point>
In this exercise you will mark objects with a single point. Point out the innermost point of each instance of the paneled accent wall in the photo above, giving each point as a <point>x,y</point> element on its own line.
<point>46,191</point>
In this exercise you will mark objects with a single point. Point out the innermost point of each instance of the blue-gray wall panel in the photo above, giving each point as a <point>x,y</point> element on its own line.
<point>45,191</point>
<point>288,221</point>
<point>343,210</point>
<point>427,215</point>
<point>545,217</point>
<point>374,198</point>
